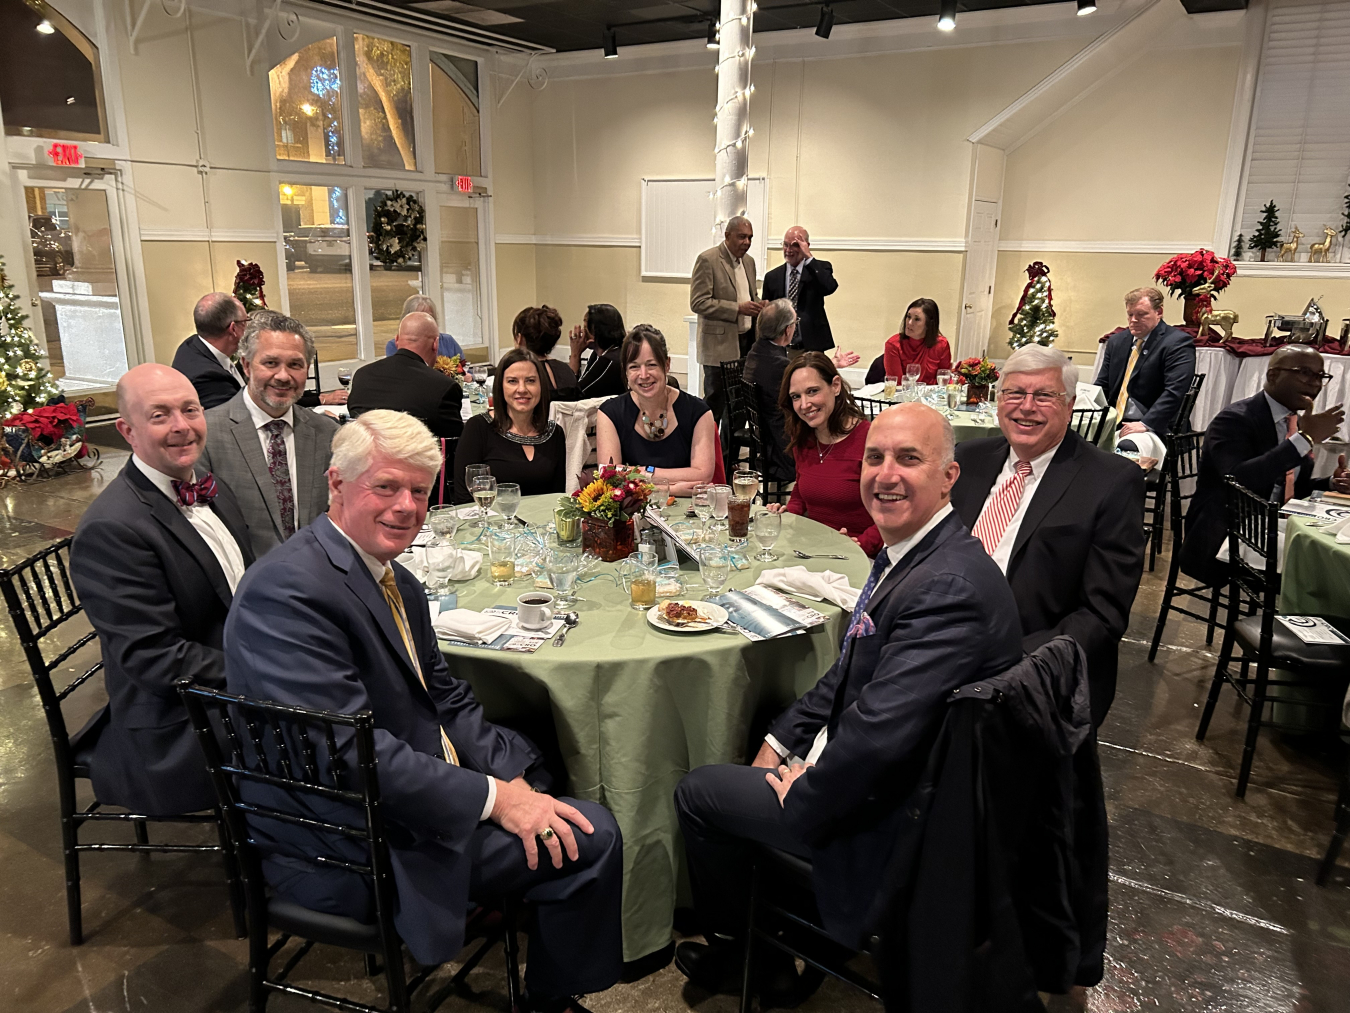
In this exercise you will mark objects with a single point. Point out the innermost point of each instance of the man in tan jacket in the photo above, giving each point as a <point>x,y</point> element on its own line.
<point>722,293</point>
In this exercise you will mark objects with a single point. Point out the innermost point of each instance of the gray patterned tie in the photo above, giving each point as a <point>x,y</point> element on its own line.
<point>793,284</point>
<point>279,467</point>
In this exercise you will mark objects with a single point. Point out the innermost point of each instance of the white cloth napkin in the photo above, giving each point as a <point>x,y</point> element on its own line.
<point>1146,445</point>
<point>1089,395</point>
<point>464,564</point>
<point>1341,529</point>
<point>466,624</point>
<point>823,586</point>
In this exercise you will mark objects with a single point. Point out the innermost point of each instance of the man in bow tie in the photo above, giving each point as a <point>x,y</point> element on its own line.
<point>156,559</point>
<point>934,614</point>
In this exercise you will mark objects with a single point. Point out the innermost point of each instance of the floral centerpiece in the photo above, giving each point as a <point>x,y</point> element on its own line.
<point>980,374</point>
<point>1186,272</point>
<point>45,436</point>
<point>607,506</point>
<point>451,365</point>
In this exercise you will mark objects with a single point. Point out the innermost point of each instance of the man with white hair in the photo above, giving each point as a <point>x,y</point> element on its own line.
<point>1063,520</point>
<point>445,345</point>
<point>330,622</point>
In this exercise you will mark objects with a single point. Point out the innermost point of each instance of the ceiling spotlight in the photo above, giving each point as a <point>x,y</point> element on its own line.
<point>611,45</point>
<point>45,27</point>
<point>1086,7</point>
<point>826,22</point>
<point>713,41</point>
<point>947,18</point>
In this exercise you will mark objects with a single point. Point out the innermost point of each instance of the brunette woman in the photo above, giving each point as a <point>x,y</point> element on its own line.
<point>539,329</point>
<point>919,341</point>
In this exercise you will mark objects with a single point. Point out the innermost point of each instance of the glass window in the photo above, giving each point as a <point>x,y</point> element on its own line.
<point>460,315</point>
<point>307,105</point>
<point>50,84</point>
<point>384,91</point>
<point>319,266</point>
<point>389,286</point>
<point>454,115</point>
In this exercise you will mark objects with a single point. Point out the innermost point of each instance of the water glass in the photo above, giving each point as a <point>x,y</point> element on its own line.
<point>502,555</point>
<point>444,522</point>
<point>891,383</point>
<point>944,378</point>
<point>721,501</point>
<point>661,497</point>
<point>768,527</point>
<point>955,396</point>
<point>714,566</point>
<point>702,500</point>
<point>912,372</point>
<point>508,499</point>
<point>563,566</point>
<point>440,557</point>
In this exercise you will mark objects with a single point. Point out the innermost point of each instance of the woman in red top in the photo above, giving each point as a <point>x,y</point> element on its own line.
<point>920,343</point>
<point>827,434</point>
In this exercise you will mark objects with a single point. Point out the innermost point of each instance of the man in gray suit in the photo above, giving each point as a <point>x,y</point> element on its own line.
<point>272,455</point>
<point>722,293</point>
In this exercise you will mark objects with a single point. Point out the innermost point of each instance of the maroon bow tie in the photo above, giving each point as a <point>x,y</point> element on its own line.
<point>192,493</point>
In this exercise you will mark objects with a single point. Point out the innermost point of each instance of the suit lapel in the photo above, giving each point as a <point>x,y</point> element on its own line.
<point>167,514</point>
<point>1263,422</point>
<point>978,474</point>
<point>304,452</point>
<point>246,439</point>
<point>728,265</point>
<point>1066,464</point>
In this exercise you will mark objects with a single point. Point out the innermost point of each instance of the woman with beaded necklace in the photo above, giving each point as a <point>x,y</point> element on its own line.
<point>656,426</point>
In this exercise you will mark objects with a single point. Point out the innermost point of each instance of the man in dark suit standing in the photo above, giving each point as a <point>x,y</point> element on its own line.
<point>933,615</point>
<point>1266,443</point>
<point>1063,520</point>
<point>405,381</point>
<point>156,559</point>
<point>272,454</point>
<point>205,357</point>
<point>805,282</point>
<point>1147,366</point>
<point>328,621</point>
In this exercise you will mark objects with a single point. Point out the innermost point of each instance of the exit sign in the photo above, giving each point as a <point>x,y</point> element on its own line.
<point>65,154</point>
<point>464,184</point>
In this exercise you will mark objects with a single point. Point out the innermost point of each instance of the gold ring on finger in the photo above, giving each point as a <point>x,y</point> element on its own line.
<point>546,834</point>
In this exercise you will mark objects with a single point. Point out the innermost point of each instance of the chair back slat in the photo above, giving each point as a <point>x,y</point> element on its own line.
<point>1182,423</point>
<point>1253,525</point>
<point>870,407</point>
<point>1182,467</point>
<point>1088,423</point>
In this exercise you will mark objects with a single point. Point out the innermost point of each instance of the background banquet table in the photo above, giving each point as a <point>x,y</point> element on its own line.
<point>635,708</point>
<point>1316,579</point>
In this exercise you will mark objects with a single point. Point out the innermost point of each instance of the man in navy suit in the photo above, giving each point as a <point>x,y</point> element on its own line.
<point>205,357</point>
<point>156,559</point>
<point>934,614</point>
<point>1147,366</point>
<point>805,282</point>
<point>327,621</point>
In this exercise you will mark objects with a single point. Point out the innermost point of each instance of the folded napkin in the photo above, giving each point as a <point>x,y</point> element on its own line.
<point>823,586</point>
<point>1341,529</point>
<point>466,624</point>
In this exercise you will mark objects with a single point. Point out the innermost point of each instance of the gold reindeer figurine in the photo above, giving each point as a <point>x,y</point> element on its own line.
<point>1224,319</point>
<point>1320,253</point>
<point>1291,247</point>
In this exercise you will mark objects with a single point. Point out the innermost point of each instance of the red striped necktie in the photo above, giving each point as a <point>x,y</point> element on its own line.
<point>996,517</point>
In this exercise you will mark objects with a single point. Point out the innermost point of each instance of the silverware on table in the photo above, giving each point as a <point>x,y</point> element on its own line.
<point>570,619</point>
<point>819,555</point>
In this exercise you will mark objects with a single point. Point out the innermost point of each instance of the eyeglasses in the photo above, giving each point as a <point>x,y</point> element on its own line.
<point>1042,398</point>
<point>1305,374</point>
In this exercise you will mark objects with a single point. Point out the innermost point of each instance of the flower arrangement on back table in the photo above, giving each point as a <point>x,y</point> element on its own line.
<point>451,365</point>
<point>1186,272</point>
<point>980,374</point>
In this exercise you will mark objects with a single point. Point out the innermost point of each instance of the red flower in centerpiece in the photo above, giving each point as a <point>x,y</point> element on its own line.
<point>1185,272</point>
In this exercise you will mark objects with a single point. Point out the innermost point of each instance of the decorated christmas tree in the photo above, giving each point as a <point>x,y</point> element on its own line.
<point>1267,234</point>
<point>1033,322</point>
<point>24,383</point>
<point>1239,247</point>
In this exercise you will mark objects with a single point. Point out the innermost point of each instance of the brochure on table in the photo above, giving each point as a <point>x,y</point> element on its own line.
<point>516,639</point>
<point>1316,509</point>
<point>761,613</point>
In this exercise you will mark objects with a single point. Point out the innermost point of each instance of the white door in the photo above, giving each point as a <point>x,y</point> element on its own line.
<point>977,300</point>
<point>458,235</point>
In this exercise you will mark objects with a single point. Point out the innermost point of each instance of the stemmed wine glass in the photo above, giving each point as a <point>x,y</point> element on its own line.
<point>508,499</point>
<point>912,372</point>
<point>703,503</point>
<point>714,566</point>
<point>344,375</point>
<point>444,522</point>
<point>721,505</point>
<point>484,491</point>
<point>563,566</point>
<point>480,375</point>
<point>768,526</point>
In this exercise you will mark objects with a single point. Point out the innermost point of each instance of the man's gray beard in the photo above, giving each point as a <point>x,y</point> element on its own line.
<point>264,396</point>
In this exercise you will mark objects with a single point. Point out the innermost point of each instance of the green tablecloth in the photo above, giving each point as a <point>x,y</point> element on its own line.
<point>1316,577</point>
<point>636,708</point>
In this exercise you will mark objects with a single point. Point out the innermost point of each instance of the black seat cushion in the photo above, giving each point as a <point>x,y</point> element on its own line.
<point>335,930</point>
<point>1288,651</point>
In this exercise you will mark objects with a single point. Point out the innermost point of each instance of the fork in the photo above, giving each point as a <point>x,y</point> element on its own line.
<point>820,555</point>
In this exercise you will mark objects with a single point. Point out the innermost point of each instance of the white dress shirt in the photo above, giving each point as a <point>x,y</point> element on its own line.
<point>1003,553</point>
<point>204,520</point>
<point>894,553</point>
<point>742,293</point>
<point>377,568</point>
<point>1280,413</point>
<point>260,419</point>
<point>224,360</point>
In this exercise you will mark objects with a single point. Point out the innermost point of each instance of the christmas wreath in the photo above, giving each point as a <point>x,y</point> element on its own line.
<point>248,286</point>
<point>398,228</point>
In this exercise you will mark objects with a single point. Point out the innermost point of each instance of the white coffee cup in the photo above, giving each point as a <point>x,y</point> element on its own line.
<point>534,610</point>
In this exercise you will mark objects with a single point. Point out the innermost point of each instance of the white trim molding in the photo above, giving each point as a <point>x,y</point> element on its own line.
<point>1166,246</point>
<point>1274,269</point>
<point>520,239</point>
<point>209,235</point>
<point>879,244</point>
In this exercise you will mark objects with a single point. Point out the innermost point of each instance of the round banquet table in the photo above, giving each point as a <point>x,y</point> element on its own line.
<point>635,708</point>
<point>1316,576</point>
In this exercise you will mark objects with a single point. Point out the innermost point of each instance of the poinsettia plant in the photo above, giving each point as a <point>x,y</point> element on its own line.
<point>614,494</point>
<point>977,371</point>
<point>1185,272</point>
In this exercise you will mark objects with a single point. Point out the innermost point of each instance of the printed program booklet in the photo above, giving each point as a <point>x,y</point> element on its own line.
<point>761,613</point>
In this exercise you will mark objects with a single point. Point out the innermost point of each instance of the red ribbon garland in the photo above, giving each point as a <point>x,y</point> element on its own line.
<point>1036,270</point>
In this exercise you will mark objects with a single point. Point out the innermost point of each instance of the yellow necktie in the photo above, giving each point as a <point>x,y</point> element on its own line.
<point>1124,398</point>
<point>395,600</point>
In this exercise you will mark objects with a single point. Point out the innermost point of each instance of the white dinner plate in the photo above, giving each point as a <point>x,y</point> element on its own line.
<point>713,617</point>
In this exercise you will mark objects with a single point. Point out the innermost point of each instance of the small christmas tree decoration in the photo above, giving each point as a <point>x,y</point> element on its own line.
<point>1239,247</point>
<point>26,384</point>
<point>248,286</point>
<point>1267,234</point>
<point>1033,322</point>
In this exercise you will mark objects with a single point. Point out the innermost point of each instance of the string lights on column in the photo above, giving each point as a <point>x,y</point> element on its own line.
<point>734,33</point>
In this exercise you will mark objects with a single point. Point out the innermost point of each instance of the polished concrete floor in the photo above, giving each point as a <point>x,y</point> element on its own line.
<point>1213,906</point>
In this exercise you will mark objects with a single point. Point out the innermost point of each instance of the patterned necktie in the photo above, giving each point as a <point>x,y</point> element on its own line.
<point>860,623</point>
<point>794,282</point>
<point>391,595</point>
<point>995,518</point>
<point>279,467</point>
<point>1123,399</point>
<point>1290,476</point>
<point>203,491</point>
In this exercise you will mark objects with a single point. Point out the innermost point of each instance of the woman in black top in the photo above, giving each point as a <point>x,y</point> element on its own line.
<point>518,442</point>
<point>656,426</point>
<point>538,329</point>
<point>601,331</point>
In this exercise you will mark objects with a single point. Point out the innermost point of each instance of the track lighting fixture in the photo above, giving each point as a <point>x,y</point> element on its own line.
<point>826,22</point>
<point>1086,7</point>
<point>611,45</point>
<point>713,41</point>
<point>947,18</point>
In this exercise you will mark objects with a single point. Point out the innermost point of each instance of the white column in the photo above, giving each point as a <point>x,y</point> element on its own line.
<point>733,113</point>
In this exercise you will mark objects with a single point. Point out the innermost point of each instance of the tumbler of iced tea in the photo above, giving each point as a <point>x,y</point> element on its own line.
<point>738,517</point>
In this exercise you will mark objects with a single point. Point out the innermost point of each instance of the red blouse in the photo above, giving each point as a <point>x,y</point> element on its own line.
<point>900,351</point>
<point>827,488</point>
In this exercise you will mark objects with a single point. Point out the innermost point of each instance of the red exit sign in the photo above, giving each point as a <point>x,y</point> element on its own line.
<point>464,184</point>
<point>65,154</point>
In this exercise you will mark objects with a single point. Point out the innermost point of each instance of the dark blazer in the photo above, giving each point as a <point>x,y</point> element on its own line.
<point>158,598</point>
<point>1160,378</point>
<point>764,368</point>
<point>817,281</point>
<point>235,456</point>
<point>943,618</point>
<point>310,627</point>
<point>214,383</point>
<point>1241,441</point>
<point>404,383</point>
<point>1079,553</point>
